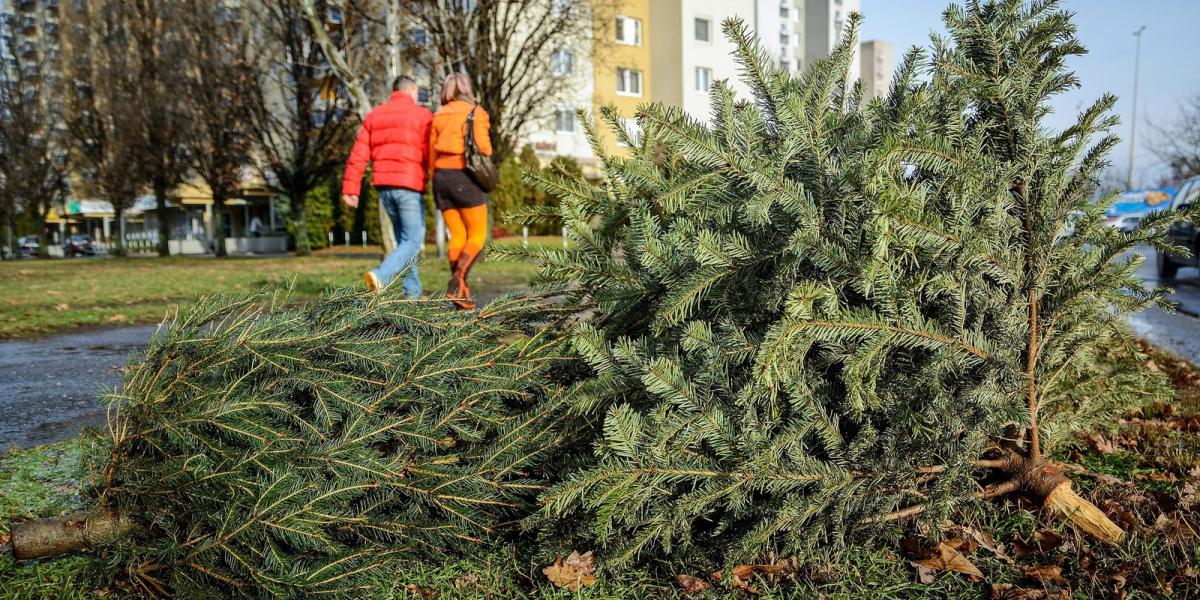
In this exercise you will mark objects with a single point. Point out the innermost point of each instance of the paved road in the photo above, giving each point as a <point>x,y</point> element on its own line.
<point>1178,332</point>
<point>49,386</point>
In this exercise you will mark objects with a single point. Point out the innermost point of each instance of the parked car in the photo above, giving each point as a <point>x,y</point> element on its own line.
<point>79,244</point>
<point>28,245</point>
<point>1182,233</point>
<point>1125,223</point>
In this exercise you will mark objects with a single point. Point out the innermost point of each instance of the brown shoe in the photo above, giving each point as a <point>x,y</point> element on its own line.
<point>457,290</point>
<point>372,280</point>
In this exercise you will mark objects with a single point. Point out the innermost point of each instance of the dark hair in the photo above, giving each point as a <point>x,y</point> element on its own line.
<point>402,81</point>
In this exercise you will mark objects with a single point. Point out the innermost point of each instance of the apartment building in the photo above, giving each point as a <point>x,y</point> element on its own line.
<point>877,66</point>
<point>672,51</point>
<point>825,22</point>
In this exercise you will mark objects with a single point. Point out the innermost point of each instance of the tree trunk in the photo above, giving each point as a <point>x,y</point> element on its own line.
<point>300,224</point>
<point>39,223</point>
<point>70,533</point>
<point>218,219</point>
<point>9,242</point>
<point>119,213</point>
<point>164,225</point>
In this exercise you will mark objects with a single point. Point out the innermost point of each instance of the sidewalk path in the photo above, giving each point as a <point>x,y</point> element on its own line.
<point>49,386</point>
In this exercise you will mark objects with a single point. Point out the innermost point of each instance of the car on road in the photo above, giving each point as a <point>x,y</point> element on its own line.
<point>77,245</point>
<point>28,245</point>
<point>1182,233</point>
<point>1125,223</point>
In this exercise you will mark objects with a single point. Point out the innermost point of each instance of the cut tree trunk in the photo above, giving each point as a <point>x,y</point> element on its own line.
<point>1048,482</point>
<point>69,533</point>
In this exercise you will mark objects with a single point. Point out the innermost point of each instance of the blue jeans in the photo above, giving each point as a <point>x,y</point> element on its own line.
<point>406,209</point>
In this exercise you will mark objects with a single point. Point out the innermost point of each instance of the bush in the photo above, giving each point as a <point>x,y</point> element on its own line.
<point>515,196</point>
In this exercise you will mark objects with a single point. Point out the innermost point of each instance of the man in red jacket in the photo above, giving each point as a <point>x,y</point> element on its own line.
<point>395,139</point>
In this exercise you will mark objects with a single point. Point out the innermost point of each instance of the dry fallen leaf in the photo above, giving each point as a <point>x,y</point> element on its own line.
<point>1008,591</point>
<point>924,574</point>
<point>690,584</point>
<point>1047,540</point>
<point>61,306</point>
<point>572,572</point>
<point>1045,574</point>
<point>1102,445</point>
<point>117,318</point>
<point>422,593</point>
<point>468,580</point>
<point>948,558</point>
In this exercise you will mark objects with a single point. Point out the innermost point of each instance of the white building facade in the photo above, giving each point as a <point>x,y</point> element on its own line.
<point>878,63</point>
<point>824,23</point>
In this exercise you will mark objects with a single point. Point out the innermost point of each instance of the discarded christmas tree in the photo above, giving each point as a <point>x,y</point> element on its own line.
<point>815,317</point>
<point>262,449</point>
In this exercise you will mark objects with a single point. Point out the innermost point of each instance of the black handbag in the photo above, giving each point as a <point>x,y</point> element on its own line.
<point>479,167</point>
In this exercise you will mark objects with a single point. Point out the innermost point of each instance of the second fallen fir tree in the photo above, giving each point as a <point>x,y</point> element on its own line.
<point>815,316</point>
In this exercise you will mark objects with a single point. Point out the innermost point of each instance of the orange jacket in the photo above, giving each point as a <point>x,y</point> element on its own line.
<point>447,141</point>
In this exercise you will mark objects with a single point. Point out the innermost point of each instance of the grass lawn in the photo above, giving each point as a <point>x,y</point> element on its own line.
<point>1145,474</point>
<point>43,296</point>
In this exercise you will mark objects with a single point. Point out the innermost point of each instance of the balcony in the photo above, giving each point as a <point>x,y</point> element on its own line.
<point>51,5</point>
<point>27,49</point>
<point>26,24</point>
<point>25,4</point>
<point>52,28</point>
<point>30,73</point>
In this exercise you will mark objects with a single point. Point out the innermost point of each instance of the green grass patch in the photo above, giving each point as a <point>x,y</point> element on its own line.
<point>44,296</point>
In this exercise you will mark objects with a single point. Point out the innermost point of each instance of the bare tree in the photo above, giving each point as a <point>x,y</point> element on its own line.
<point>506,46</point>
<point>223,90</point>
<point>343,29</point>
<point>1177,143</point>
<point>162,106</point>
<point>102,121</point>
<point>302,127</point>
<point>32,161</point>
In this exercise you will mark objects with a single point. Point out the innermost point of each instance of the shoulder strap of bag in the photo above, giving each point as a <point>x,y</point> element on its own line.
<point>470,133</point>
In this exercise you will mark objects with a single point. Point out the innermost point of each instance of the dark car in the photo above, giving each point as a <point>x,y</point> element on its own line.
<point>77,245</point>
<point>28,245</point>
<point>1182,233</point>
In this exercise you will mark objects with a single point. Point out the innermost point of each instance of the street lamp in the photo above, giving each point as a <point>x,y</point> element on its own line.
<point>1137,62</point>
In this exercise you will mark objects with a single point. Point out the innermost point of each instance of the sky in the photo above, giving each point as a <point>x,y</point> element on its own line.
<point>1169,69</point>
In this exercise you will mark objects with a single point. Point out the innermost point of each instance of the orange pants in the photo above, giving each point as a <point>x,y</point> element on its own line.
<point>468,230</point>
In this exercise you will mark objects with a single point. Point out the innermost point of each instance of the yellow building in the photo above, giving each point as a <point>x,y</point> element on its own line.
<point>621,62</point>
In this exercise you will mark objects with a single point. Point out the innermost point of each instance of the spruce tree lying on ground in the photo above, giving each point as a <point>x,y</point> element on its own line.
<point>260,449</point>
<point>815,316</point>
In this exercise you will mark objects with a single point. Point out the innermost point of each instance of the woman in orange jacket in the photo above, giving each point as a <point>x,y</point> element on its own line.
<point>462,202</point>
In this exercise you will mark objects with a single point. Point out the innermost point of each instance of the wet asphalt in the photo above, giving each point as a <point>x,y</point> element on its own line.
<point>50,387</point>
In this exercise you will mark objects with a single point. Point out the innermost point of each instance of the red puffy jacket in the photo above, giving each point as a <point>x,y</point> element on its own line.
<point>395,139</point>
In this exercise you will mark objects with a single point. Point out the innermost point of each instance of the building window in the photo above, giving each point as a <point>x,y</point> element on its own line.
<point>633,129</point>
<point>564,119</point>
<point>417,37</point>
<point>703,79</point>
<point>783,11</point>
<point>784,39</point>
<point>629,82</point>
<point>703,30</point>
<point>629,31</point>
<point>563,61</point>
<point>423,95</point>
